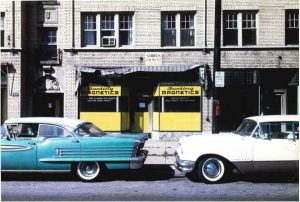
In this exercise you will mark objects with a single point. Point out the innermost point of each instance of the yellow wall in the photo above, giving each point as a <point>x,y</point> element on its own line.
<point>180,121</point>
<point>107,121</point>
<point>141,120</point>
<point>125,120</point>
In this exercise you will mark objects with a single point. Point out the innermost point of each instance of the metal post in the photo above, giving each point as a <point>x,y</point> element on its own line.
<point>217,62</point>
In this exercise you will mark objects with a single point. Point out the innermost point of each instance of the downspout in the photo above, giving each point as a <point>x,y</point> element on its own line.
<point>73,24</point>
<point>13,24</point>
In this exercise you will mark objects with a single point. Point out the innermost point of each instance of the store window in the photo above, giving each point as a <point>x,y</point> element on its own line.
<point>114,30</point>
<point>178,29</point>
<point>2,28</point>
<point>239,28</point>
<point>292,27</point>
<point>48,44</point>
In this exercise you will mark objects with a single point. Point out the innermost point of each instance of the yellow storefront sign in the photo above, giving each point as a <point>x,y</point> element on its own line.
<point>178,91</point>
<point>101,91</point>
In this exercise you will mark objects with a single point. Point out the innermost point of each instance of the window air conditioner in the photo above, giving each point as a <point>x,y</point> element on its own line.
<point>108,41</point>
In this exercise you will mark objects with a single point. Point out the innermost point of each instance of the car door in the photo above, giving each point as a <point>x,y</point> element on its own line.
<point>18,148</point>
<point>277,147</point>
<point>57,148</point>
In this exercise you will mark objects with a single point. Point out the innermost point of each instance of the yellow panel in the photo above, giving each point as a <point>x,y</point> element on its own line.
<point>155,121</point>
<point>101,91</point>
<point>107,121</point>
<point>156,91</point>
<point>125,120</point>
<point>180,91</point>
<point>141,120</point>
<point>180,121</point>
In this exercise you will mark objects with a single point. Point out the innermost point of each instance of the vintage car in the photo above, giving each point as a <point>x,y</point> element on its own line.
<point>61,144</point>
<point>259,144</point>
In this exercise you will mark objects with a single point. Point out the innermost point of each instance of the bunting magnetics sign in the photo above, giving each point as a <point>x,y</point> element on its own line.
<point>179,91</point>
<point>101,91</point>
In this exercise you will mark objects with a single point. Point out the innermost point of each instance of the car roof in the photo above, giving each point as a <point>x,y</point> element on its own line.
<point>274,118</point>
<point>47,120</point>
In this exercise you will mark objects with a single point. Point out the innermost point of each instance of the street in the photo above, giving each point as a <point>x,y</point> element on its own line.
<point>151,183</point>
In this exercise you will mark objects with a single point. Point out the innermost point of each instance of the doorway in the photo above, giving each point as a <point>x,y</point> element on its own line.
<point>48,105</point>
<point>140,112</point>
<point>274,101</point>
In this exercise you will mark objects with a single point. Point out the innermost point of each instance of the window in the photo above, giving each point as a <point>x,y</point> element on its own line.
<point>239,28</point>
<point>111,29</point>
<point>169,30</point>
<point>48,131</point>
<point>178,26</point>
<point>187,30</point>
<point>125,29</point>
<point>292,27</point>
<point>89,30</point>
<point>22,130</point>
<point>48,45</point>
<point>2,28</point>
<point>279,130</point>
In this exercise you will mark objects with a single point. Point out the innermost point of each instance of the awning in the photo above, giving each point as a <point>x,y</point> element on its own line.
<point>117,70</point>
<point>122,70</point>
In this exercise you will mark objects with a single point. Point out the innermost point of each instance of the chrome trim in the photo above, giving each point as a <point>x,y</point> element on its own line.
<point>37,171</point>
<point>184,166</point>
<point>13,148</point>
<point>136,162</point>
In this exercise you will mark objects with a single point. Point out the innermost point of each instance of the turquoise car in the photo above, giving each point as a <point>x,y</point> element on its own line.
<point>61,144</point>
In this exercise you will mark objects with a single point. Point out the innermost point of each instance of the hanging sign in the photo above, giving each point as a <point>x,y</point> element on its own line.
<point>220,79</point>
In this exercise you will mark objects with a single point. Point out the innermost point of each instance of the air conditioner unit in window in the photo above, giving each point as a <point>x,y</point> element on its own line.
<point>108,41</point>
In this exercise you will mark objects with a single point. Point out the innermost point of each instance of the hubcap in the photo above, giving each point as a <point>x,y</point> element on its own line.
<point>88,169</point>
<point>212,168</point>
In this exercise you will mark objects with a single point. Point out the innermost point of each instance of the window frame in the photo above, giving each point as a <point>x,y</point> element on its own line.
<point>176,26</point>
<point>116,29</point>
<point>240,27</point>
<point>294,28</point>
<point>84,30</point>
<point>2,29</point>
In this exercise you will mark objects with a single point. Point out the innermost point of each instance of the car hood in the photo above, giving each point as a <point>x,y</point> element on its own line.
<point>135,136</point>
<point>217,139</point>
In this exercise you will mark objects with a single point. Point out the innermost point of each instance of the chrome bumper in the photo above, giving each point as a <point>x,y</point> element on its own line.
<point>184,166</point>
<point>138,161</point>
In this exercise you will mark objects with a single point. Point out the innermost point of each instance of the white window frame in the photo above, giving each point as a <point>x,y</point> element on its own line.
<point>2,28</point>
<point>88,30</point>
<point>252,20</point>
<point>116,29</point>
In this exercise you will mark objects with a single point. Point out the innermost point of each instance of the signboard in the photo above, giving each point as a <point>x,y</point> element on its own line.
<point>153,59</point>
<point>179,91</point>
<point>219,79</point>
<point>101,91</point>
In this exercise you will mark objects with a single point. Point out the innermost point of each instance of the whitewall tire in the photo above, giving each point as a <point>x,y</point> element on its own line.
<point>211,170</point>
<point>88,171</point>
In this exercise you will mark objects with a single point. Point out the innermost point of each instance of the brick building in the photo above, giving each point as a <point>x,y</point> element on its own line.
<point>138,65</point>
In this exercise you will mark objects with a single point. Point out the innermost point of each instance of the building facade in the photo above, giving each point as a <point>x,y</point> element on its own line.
<point>145,66</point>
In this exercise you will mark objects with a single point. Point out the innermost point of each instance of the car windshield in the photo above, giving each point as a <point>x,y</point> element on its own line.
<point>246,128</point>
<point>89,129</point>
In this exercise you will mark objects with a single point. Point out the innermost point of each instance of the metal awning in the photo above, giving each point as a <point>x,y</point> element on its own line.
<point>117,70</point>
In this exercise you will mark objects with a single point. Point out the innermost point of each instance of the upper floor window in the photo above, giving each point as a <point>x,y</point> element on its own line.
<point>113,30</point>
<point>2,28</point>
<point>292,27</point>
<point>48,44</point>
<point>239,28</point>
<point>178,29</point>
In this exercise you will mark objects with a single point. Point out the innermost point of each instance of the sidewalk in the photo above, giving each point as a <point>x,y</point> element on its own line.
<point>160,151</point>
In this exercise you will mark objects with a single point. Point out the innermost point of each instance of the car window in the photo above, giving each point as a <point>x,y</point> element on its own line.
<point>279,130</point>
<point>89,129</point>
<point>50,131</point>
<point>22,130</point>
<point>246,128</point>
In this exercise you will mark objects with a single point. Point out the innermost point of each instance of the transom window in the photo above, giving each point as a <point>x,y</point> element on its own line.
<point>239,28</point>
<point>178,29</point>
<point>114,29</point>
<point>292,27</point>
<point>48,43</point>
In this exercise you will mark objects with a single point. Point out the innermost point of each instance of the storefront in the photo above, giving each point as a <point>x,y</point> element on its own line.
<point>141,101</point>
<point>257,92</point>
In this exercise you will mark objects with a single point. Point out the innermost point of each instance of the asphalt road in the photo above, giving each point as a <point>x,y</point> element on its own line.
<point>153,182</point>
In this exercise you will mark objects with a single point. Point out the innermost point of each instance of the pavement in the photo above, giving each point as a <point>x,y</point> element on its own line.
<point>161,151</point>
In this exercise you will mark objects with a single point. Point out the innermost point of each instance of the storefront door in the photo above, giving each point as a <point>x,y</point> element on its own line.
<point>48,105</point>
<point>274,102</point>
<point>140,113</point>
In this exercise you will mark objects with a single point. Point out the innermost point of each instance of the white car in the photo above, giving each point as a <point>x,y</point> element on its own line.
<point>259,144</point>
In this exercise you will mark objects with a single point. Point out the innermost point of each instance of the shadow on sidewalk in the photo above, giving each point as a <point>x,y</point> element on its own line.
<point>153,172</point>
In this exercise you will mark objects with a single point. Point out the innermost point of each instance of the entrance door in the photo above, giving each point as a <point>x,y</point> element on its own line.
<point>140,113</point>
<point>274,102</point>
<point>48,105</point>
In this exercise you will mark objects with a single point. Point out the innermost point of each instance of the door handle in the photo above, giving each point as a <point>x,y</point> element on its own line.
<point>32,143</point>
<point>75,141</point>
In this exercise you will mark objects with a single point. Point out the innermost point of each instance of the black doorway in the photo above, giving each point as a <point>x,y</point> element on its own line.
<point>48,105</point>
